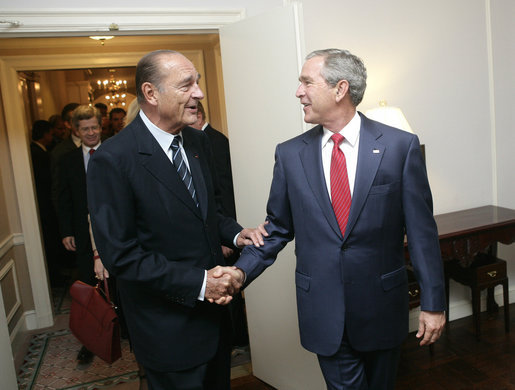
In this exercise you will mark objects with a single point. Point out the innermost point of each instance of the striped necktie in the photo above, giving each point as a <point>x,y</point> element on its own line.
<point>181,167</point>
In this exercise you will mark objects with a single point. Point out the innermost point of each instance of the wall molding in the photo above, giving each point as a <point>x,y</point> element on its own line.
<point>11,241</point>
<point>11,268</point>
<point>115,21</point>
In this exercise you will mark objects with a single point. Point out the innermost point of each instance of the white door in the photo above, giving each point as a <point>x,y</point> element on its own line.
<point>261,59</point>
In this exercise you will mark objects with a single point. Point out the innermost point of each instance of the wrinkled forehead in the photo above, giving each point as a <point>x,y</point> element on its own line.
<point>177,63</point>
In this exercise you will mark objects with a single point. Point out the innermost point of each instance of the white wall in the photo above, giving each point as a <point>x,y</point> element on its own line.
<point>503,48</point>
<point>430,59</point>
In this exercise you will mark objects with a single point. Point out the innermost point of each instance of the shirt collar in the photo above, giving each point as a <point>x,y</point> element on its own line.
<point>350,131</point>
<point>41,145</point>
<point>163,138</point>
<point>85,149</point>
<point>76,140</point>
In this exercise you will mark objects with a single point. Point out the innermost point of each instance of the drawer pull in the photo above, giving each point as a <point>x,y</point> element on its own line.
<point>413,294</point>
<point>492,274</point>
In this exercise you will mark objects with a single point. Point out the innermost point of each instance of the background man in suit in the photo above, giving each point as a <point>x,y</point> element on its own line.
<point>350,276</point>
<point>42,138</point>
<point>222,157</point>
<point>157,229</point>
<point>117,119</point>
<point>70,142</point>
<point>72,197</point>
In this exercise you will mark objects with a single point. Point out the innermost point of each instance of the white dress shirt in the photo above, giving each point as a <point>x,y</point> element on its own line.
<point>86,155</point>
<point>349,146</point>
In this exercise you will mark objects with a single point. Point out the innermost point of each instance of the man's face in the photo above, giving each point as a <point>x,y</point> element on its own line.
<point>60,130</point>
<point>180,92</point>
<point>199,122</point>
<point>317,97</point>
<point>117,121</point>
<point>89,132</point>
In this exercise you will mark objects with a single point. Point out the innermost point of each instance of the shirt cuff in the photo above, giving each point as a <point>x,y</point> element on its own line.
<point>203,289</point>
<point>236,240</point>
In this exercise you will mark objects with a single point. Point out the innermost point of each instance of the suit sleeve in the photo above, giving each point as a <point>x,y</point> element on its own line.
<point>421,230</point>
<point>114,215</point>
<point>253,261</point>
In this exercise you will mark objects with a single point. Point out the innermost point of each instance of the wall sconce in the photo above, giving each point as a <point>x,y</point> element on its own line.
<point>392,116</point>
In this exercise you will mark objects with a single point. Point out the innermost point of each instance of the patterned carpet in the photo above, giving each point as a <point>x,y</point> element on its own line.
<point>51,364</point>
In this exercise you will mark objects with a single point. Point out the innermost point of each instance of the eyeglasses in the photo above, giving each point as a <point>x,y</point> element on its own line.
<point>88,129</point>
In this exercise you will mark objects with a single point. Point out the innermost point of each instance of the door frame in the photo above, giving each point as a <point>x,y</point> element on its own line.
<point>42,23</point>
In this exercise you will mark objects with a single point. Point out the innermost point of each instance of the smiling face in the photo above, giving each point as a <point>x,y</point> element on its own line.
<point>89,131</point>
<point>316,96</point>
<point>178,93</point>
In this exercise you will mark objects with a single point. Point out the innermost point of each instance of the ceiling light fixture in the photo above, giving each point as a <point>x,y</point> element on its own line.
<point>101,38</point>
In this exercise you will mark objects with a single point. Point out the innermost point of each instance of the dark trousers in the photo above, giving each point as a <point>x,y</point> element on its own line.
<point>213,375</point>
<point>349,369</point>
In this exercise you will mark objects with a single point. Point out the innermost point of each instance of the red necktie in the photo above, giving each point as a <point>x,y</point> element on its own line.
<point>340,191</point>
<point>91,151</point>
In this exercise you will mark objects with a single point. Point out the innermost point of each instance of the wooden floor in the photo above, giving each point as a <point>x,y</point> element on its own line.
<point>458,362</point>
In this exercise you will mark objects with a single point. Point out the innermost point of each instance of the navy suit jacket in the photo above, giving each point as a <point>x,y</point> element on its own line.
<point>357,282</point>
<point>157,243</point>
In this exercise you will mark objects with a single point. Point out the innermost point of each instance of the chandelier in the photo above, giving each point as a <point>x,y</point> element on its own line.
<point>115,90</point>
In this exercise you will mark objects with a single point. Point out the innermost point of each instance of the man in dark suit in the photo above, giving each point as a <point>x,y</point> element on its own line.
<point>159,231</point>
<point>42,138</point>
<point>70,142</point>
<point>348,190</point>
<point>72,197</point>
<point>222,158</point>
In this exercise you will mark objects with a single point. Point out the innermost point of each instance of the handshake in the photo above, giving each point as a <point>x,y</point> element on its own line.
<point>222,283</point>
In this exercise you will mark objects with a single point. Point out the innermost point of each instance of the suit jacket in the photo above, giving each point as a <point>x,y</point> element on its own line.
<point>151,236</point>
<point>357,282</point>
<point>222,158</point>
<point>57,153</point>
<point>72,209</point>
<point>42,179</point>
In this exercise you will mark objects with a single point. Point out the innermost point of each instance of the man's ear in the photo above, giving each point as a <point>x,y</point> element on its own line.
<point>342,87</point>
<point>150,92</point>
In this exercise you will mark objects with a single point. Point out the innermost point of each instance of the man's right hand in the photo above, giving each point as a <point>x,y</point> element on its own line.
<point>69,243</point>
<point>222,283</point>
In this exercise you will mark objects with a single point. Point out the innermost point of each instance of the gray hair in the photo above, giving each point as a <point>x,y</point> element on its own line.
<point>342,65</point>
<point>150,69</point>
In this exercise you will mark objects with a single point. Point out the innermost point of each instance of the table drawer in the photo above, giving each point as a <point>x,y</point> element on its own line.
<point>491,272</point>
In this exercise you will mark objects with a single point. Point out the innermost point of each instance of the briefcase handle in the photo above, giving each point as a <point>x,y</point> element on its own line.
<point>105,292</point>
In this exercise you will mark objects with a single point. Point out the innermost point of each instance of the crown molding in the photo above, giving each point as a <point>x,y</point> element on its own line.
<point>112,21</point>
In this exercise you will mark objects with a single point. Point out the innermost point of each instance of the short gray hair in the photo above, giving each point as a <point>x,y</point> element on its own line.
<point>342,65</point>
<point>150,69</point>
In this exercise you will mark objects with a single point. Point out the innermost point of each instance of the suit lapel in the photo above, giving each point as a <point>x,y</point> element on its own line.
<point>311,158</point>
<point>369,157</point>
<point>157,163</point>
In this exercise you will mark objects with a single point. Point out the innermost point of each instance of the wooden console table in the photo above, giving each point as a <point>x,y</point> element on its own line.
<point>463,234</point>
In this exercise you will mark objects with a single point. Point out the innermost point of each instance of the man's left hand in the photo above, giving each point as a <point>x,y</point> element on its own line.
<point>430,326</point>
<point>252,236</point>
